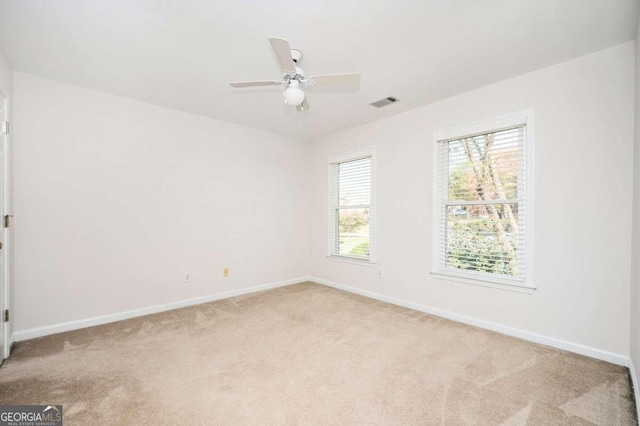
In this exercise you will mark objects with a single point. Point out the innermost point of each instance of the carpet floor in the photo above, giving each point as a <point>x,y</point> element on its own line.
<point>309,354</point>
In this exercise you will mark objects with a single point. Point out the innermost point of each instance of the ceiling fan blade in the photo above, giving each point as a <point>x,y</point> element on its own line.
<point>283,53</point>
<point>303,106</point>
<point>334,79</point>
<point>256,83</point>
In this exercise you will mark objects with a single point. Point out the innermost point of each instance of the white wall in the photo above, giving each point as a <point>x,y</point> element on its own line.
<point>584,146</point>
<point>6,76</point>
<point>635,248</point>
<point>115,200</point>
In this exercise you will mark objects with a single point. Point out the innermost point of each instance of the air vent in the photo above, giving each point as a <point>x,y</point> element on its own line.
<point>384,102</point>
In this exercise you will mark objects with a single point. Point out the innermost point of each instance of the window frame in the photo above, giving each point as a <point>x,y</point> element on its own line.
<point>366,152</point>
<point>496,123</point>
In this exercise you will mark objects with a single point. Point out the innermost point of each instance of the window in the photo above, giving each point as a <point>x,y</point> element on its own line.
<point>483,216</point>
<point>351,206</point>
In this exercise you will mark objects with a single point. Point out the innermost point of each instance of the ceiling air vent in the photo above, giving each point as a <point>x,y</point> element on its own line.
<point>384,102</point>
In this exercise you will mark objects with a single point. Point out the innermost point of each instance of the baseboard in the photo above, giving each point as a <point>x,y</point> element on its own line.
<point>104,319</point>
<point>636,389</point>
<point>499,328</point>
<point>611,357</point>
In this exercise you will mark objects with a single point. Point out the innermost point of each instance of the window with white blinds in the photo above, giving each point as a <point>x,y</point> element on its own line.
<point>350,205</point>
<point>481,225</point>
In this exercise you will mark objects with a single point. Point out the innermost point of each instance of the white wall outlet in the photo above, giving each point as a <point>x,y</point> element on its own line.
<point>187,277</point>
<point>380,273</point>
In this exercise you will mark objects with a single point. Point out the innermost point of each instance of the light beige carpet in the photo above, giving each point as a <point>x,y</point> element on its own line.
<point>308,354</point>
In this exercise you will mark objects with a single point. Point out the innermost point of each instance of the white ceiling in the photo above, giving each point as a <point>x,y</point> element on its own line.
<point>182,53</point>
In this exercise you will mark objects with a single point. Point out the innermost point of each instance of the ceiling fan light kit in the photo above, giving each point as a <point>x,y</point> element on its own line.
<point>293,94</point>
<point>294,78</point>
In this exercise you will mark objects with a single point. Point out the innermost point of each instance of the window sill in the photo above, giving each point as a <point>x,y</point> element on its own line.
<point>527,289</point>
<point>366,263</point>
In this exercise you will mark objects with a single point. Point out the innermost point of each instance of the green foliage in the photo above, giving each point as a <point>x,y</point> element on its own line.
<point>460,186</point>
<point>361,249</point>
<point>353,222</point>
<point>472,248</point>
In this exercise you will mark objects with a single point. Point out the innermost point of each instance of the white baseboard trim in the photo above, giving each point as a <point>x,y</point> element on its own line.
<point>499,328</point>
<point>636,389</point>
<point>578,348</point>
<point>104,319</point>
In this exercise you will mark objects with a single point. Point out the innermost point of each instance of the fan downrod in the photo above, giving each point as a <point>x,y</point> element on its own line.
<point>296,55</point>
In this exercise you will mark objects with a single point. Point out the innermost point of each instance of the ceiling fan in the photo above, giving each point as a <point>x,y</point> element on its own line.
<point>294,78</point>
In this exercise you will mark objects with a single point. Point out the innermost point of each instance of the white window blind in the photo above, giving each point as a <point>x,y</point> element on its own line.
<point>350,194</point>
<point>481,213</point>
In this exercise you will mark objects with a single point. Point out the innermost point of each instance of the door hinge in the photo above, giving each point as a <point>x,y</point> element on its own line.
<point>6,315</point>
<point>7,220</point>
<point>5,127</point>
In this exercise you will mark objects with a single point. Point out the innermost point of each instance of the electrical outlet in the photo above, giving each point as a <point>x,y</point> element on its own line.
<point>380,273</point>
<point>187,277</point>
<point>225,272</point>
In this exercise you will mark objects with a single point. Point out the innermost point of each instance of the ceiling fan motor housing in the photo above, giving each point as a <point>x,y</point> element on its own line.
<point>296,55</point>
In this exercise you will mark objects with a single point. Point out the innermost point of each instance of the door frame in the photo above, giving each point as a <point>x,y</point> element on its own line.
<point>5,277</point>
